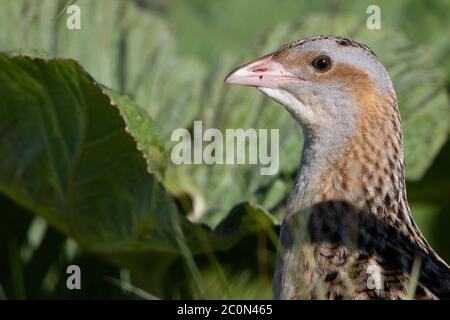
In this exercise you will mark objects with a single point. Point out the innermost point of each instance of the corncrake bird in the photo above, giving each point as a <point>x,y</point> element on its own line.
<point>350,191</point>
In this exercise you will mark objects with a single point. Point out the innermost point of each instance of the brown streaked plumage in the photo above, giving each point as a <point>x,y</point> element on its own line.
<point>350,193</point>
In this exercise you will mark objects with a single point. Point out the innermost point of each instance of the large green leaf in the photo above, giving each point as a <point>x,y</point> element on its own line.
<point>67,157</point>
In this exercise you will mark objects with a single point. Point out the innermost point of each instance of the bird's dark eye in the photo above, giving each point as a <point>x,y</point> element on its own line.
<point>322,63</point>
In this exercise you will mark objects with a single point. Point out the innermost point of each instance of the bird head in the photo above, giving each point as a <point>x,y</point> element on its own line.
<point>323,81</point>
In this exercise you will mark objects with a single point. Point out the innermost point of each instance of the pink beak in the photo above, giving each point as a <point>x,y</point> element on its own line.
<point>263,72</point>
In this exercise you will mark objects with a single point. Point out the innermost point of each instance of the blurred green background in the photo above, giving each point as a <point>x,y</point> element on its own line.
<point>212,230</point>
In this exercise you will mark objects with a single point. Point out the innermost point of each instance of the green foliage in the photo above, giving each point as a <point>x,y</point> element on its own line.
<point>69,159</point>
<point>92,162</point>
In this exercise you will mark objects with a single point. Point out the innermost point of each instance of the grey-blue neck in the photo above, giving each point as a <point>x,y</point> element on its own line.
<point>321,151</point>
<point>326,140</point>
